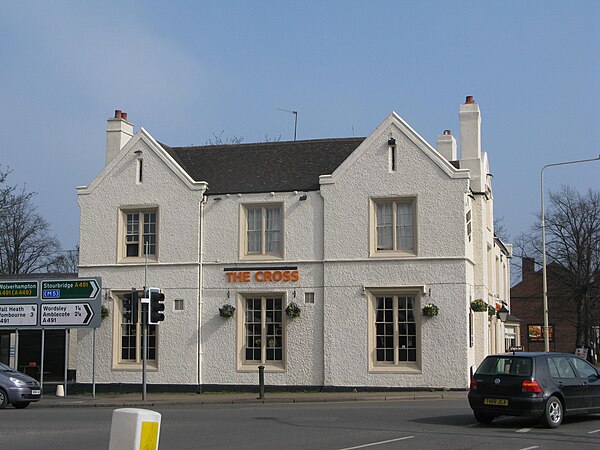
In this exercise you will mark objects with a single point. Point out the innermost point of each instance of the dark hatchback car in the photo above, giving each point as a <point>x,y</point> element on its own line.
<point>17,388</point>
<point>545,385</point>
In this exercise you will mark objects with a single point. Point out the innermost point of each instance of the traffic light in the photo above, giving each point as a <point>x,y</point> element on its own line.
<point>130,306</point>
<point>156,306</point>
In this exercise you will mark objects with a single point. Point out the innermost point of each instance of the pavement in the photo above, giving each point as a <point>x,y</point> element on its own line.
<point>155,399</point>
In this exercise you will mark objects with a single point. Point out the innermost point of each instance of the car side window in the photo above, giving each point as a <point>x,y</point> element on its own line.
<point>583,368</point>
<point>560,368</point>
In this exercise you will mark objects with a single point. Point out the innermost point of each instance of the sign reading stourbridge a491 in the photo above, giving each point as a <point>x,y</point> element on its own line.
<point>69,289</point>
<point>18,289</point>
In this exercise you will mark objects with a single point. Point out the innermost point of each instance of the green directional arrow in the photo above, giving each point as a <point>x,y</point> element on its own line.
<point>69,289</point>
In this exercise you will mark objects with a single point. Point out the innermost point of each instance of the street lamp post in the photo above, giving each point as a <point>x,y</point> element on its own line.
<point>544,276</point>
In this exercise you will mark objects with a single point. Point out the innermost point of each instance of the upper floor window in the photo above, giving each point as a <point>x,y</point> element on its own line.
<point>394,226</point>
<point>140,233</point>
<point>262,231</point>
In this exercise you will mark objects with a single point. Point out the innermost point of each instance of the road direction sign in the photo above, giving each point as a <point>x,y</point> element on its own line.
<point>75,288</point>
<point>19,289</point>
<point>18,315</point>
<point>66,314</point>
<point>71,302</point>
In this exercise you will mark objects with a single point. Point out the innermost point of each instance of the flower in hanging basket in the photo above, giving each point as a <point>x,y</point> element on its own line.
<point>430,310</point>
<point>103,312</point>
<point>226,310</point>
<point>479,305</point>
<point>491,311</point>
<point>292,310</point>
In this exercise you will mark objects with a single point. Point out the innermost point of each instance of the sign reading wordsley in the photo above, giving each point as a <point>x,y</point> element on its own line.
<point>40,302</point>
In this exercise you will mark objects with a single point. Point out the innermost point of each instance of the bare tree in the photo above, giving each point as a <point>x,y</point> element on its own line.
<point>218,139</point>
<point>572,225</point>
<point>25,242</point>
<point>66,262</point>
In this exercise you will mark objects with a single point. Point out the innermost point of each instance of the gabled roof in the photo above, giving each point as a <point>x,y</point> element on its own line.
<point>265,166</point>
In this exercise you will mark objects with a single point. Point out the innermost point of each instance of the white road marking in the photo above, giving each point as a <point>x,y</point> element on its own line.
<point>524,430</point>
<point>529,448</point>
<point>595,431</point>
<point>379,443</point>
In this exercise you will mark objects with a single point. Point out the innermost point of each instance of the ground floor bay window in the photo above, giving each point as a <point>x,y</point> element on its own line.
<point>127,341</point>
<point>261,339</point>
<point>394,332</point>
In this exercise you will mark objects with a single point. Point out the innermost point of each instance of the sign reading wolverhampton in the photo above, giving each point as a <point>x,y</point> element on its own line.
<point>50,303</point>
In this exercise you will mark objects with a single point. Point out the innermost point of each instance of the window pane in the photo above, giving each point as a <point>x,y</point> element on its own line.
<point>384,329</point>
<point>273,228</point>
<point>404,226</point>
<point>254,219</point>
<point>407,330</point>
<point>384,226</point>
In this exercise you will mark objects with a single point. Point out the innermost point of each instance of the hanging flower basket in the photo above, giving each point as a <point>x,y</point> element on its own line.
<point>103,312</point>
<point>292,310</point>
<point>430,310</point>
<point>226,310</point>
<point>491,311</point>
<point>479,305</point>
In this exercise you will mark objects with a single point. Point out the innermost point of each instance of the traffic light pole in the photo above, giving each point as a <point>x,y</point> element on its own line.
<point>144,346</point>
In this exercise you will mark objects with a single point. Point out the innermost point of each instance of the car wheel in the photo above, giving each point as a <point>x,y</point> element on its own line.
<point>3,399</point>
<point>553,414</point>
<point>21,405</point>
<point>483,418</point>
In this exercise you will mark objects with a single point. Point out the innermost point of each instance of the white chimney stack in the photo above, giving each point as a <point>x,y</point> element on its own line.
<point>118,133</point>
<point>470,130</point>
<point>446,145</point>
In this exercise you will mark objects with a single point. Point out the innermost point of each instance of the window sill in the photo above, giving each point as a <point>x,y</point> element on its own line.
<point>392,254</point>
<point>269,368</point>
<point>136,260</point>
<point>261,257</point>
<point>135,367</point>
<point>406,369</point>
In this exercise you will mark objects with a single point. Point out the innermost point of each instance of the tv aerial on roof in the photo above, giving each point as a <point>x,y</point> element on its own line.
<point>295,113</point>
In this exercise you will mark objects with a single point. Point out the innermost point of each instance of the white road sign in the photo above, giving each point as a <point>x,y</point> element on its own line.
<point>18,315</point>
<point>66,314</point>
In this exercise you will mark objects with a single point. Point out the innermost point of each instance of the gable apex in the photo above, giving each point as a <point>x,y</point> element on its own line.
<point>393,120</point>
<point>142,136</point>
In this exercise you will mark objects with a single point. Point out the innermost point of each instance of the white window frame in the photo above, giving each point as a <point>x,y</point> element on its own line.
<point>244,365</point>
<point>394,251</point>
<point>118,362</point>
<point>124,212</point>
<point>397,366</point>
<point>263,253</point>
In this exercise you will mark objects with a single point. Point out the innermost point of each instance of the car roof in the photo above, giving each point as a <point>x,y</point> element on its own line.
<point>531,354</point>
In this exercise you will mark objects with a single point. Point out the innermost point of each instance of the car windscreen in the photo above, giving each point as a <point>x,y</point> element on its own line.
<point>506,365</point>
<point>4,367</point>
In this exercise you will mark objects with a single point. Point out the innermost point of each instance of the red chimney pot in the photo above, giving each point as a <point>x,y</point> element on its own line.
<point>117,113</point>
<point>124,116</point>
<point>447,132</point>
<point>470,99</point>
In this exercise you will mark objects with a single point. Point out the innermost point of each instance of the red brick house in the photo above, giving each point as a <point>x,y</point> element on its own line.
<point>527,305</point>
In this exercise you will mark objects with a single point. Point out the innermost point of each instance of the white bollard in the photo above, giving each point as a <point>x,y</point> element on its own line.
<point>60,390</point>
<point>134,429</point>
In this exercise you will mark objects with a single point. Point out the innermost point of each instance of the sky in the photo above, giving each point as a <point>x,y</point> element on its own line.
<point>189,70</point>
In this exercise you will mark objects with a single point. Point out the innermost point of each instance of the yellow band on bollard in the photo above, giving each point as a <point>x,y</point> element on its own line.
<point>149,436</point>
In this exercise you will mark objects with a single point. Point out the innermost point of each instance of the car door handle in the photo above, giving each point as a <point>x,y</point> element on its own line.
<point>584,383</point>
<point>560,384</point>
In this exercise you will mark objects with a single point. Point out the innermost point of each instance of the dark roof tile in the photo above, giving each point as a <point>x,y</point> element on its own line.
<point>264,167</point>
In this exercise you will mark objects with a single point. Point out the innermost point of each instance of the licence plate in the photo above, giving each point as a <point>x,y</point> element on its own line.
<point>35,392</point>
<point>495,401</point>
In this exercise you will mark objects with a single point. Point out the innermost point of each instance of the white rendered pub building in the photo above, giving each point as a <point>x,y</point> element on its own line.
<point>315,259</point>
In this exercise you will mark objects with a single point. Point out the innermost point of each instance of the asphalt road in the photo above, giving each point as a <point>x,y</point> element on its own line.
<point>428,424</point>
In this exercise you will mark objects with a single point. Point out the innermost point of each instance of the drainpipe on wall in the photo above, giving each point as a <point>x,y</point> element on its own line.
<point>200,283</point>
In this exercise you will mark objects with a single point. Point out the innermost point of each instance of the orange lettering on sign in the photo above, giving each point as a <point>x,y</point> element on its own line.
<point>263,276</point>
